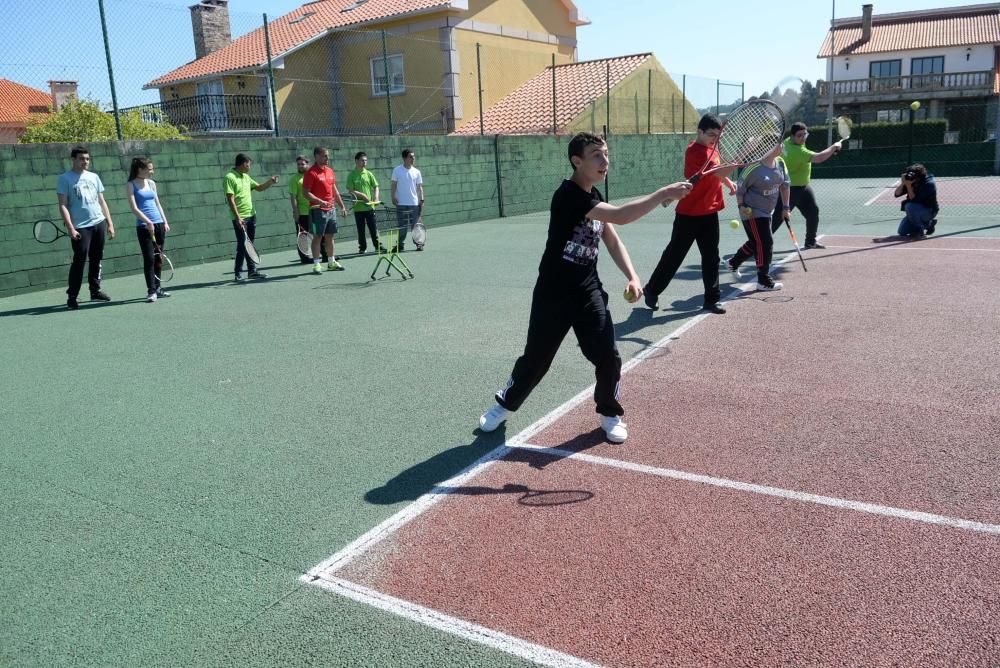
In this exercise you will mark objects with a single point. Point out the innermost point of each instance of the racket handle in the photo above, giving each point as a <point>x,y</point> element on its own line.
<point>694,179</point>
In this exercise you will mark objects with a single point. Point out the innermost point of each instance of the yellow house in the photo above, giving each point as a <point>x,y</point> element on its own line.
<point>365,66</point>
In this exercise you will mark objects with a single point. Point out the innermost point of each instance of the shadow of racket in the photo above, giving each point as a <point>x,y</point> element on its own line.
<point>547,497</point>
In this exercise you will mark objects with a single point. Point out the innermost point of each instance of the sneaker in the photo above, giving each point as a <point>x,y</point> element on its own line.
<point>256,274</point>
<point>815,245</point>
<point>238,278</point>
<point>161,293</point>
<point>767,284</point>
<point>72,304</point>
<point>362,251</point>
<point>151,297</point>
<point>735,270</point>
<point>614,429</point>
<point>99,296</point>
<point>714,307</point>
<point>652,302</point>
<point>932,226</point>
<point>335,266</point>
<point>420,248</point>
<point>317,268</point>
<point>494,417</point>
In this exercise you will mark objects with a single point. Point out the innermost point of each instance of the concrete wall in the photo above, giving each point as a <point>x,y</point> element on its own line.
<point>460,177</point>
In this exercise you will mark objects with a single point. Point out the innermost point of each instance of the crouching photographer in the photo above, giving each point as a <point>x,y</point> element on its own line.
<point>920,205</point>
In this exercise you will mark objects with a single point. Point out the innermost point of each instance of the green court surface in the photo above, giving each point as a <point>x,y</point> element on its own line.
<point>172,469</point>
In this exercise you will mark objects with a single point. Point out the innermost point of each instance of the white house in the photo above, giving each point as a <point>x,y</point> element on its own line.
<point>945,58</point>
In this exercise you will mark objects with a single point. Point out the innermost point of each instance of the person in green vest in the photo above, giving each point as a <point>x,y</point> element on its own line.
<point>301,205</point>
<point>799,161</point>
<point>363,188</point>
<point>238,186</point>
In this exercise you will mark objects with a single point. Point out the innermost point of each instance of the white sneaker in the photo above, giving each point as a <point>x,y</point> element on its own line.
<point>733,269</point>
<point>494,417</point>
<point>151,297</point>
<point>614,428</point>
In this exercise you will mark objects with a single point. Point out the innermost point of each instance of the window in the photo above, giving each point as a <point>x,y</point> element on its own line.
<point>927,71</point>
<point>885,74</point>
<point>379,86</point>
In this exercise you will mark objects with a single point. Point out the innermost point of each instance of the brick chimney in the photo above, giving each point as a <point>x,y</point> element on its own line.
<point>62,92</point>
<point>210,24</point>
<point>866,22</point>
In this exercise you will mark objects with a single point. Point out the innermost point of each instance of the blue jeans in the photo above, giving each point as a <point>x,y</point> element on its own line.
<point>917,220</point>
<point>407,216</point>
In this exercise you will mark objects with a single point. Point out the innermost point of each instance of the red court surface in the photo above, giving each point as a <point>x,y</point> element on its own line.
<point>811,479</point>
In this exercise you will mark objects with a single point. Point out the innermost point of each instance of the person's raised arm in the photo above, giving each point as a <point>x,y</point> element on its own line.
<point>827,153</point>
<point>637,208</point>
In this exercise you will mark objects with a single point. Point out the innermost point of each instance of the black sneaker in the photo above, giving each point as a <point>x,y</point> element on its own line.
<point>256,274</point>
<point>767,284</point>
<point>932,226</point>
<point>420,248</point>
<point>652,302</point>
<point>716,308</point>
<point>239,278</point>
<point>160,292</point>
<point>815,245</point>
<point>72,304</point>
<point>99,296</point>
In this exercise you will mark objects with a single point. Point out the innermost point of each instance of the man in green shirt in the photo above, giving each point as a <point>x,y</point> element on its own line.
<point>363,187</point>
<point>799,161</point>
<point>238,186</point>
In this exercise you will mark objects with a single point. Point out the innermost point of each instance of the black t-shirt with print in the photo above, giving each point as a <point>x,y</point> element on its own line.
<point>570,258</point>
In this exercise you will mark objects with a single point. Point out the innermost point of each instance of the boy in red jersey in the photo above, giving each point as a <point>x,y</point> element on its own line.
<point>319,185</point>
<point>697,220</point>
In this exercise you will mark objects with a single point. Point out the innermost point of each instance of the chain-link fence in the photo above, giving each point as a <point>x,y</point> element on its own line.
<point>210,71</point>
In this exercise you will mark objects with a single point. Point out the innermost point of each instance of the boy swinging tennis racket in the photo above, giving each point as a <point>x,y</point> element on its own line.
<point>568,292</point>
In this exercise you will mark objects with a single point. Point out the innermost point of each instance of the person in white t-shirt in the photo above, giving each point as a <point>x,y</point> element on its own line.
<point>407,195</point>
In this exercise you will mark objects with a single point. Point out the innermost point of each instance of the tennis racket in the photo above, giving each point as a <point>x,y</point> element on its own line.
<point>752,131</point>
<point>844,128</point>
<point>796,242</point>
<point>250,249</point>
<point>419,233</point>
<point>305,242</point>
<point>45,232</point>
<point>163,268</point>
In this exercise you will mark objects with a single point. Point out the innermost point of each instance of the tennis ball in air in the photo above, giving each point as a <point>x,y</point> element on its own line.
<point>915,105</point>
<point>631,296</point>
<point>735,224</point>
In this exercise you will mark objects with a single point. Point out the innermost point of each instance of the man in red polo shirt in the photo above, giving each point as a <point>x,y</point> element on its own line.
<point>697,220</point>
<point>319,185</point>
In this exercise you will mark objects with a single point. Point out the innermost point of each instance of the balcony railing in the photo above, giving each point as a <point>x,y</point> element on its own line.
<point>980,82</point>
<point>209,113</point>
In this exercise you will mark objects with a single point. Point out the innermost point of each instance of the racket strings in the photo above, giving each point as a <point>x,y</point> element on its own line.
<point>751,132</point>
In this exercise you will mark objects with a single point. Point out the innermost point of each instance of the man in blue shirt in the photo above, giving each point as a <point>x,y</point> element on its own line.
<point>920,205</point>
<point>88,222</point>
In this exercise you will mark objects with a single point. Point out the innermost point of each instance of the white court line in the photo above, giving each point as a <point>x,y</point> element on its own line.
<point>805,497</point>
<point>322,575</point>
<point>884,190</point>
<point>903,245</point>
<point>438,620</point>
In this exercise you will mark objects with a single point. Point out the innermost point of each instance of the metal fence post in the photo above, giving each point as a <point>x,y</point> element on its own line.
<point>649,102</point>
<point>111,74</point>
<point>496,162</point>
<point>388,84</point>
<point>479,80</point>
<point>555,126</point>
<point>270,78</point>
<point>684,97</point>
<point>607,86</point>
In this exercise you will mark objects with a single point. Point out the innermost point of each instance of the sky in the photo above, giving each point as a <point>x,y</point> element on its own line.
<point>54,39</point>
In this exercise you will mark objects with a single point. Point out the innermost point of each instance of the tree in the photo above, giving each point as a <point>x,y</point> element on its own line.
<point>84,121</point>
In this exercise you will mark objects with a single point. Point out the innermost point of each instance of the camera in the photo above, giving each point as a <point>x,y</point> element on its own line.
<point>910,175</point>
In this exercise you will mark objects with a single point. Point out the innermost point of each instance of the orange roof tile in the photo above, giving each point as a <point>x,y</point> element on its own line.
<point>18,103</point>
<point>286,33</point>
<point>528,110</point>
<point>956,26</point>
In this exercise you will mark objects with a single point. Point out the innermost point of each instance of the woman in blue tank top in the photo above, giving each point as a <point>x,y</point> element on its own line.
<point>150,223</point>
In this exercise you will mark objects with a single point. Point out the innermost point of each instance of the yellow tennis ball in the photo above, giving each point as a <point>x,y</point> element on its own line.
<point>631,296</point>
<point>735,224</point>
<point>915,105</point>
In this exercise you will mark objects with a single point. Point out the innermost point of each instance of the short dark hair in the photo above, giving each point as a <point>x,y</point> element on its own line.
<point>407,153</point>
<point>709,122</point>
<point>579,143</point>
<point>320,149</point>
<point>241,159</point>
<point>916,172</point>
<point>79,150</point>
<point>797,127</point>
<point>301,157</point>
<point>360,154</point>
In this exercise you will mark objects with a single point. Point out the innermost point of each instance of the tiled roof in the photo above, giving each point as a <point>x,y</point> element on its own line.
<point>19,102</point>
<point>528,110</point>
<point>957,26</point>
<point>294,29</point>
